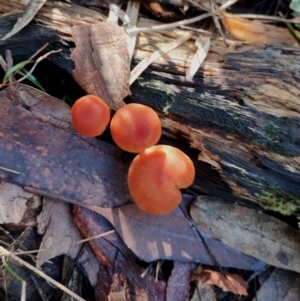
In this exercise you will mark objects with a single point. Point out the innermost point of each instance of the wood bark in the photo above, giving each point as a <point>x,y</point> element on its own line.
<point>241,112</point>
<point>239,118</point>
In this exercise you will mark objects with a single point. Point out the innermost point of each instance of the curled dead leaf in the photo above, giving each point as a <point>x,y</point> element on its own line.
<point>227,282</point>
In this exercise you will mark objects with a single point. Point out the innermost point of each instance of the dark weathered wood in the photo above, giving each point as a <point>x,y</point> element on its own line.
<point>30,39</point>
<point>241,111</point>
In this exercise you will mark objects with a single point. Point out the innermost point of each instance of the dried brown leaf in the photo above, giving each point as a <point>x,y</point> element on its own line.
<point>203,291</point>
<point>57,162</point>
<point>253,233</point>
<point>227,282</point>
<point>53,222</point>
<point>258,32</point>
<point>119,276</point>
<point>171,236</point>
<point>102,62</point>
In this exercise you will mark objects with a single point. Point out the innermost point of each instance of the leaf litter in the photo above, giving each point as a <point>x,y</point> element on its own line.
<point>54,161</point>
<point>104,61</point>
<point>227,282</point>
<point>256,234</point>
<point>171,237</point>
<point>53,221</point>
<point>11,144</point>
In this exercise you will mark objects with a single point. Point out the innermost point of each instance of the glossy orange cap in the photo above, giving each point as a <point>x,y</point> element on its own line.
<point>135,127</point>
<point>155,177</point>
<point>90,116</point>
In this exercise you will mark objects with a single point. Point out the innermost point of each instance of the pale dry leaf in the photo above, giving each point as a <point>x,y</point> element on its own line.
<point>254,233</point>
<point>119,13</point>
<point>227,282</point>
<point>60,236</point>
<point>203,45</point>
<point>204,292</point>
<point>132,11</point>
<point>113,13</point>
<point>281,285</point>
<point>31,10</point>
<point>143,65</point>
<point>102,62</point>
<point>13,201</point>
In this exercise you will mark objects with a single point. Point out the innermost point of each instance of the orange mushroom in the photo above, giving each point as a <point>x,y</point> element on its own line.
<point>135,127</point>
<point>155,177</point>
<point>90,116</point>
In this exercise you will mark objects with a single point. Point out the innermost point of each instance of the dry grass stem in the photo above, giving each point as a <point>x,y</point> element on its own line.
<point>262,17</point>
<point>170,25</point>
<point>120,13</point>
<point>183,22</point>
<point>138,69</point>
<point>36,63</point>
<point>10,170</point>
<point>112,15</point>
<point>24,63</point>
<point>21,262</point>
<point>77,242</point>
<point>132,10</point>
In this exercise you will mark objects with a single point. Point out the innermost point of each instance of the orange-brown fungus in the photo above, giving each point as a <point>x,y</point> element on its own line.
<point>155,177</point>
<point>135,127</point>
<point>90,115</point>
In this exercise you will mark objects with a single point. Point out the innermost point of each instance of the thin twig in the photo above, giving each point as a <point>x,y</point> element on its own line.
<point>170,25</point>
<point>10,170</point>
<point>216,20</point>
<point>138,69</point>
<point>77,242</point>
<point>36,63</point>
<point>26,62</point>
<point>183,22</point>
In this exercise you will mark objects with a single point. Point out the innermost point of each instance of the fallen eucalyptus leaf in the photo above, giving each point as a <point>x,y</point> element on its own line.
<point>227,282</point>
<point>253,233</point>
<point>102,62</point>
<point>282,285</point>
<point>119,275</point>
<point>57,162</point>
<point>171,236</point>
<point>60,236</point>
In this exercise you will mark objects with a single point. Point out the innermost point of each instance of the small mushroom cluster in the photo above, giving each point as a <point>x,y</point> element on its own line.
<point>158,172</point>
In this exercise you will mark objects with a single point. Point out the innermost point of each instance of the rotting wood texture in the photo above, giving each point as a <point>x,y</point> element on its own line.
<point>241,111</point>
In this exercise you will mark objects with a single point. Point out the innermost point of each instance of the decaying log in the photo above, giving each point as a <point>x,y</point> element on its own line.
<point>241,111</point>
<point>240,115</point>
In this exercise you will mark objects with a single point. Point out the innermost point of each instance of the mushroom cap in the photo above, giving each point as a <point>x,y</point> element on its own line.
<point>90,115</point>
<point>135,127</point>
<point>155,177</point>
